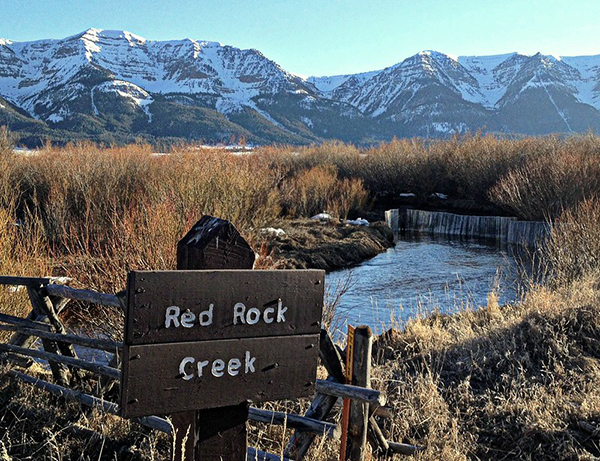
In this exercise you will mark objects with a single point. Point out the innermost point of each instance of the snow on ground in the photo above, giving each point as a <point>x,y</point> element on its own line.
<point>322,217</point>
<point>308,122</point>
<point>273,231</point>
<point>358,222</point>
<point>25,151</point>
<point>328,84</point>
<point>588,88</point>
<point>133,93</point>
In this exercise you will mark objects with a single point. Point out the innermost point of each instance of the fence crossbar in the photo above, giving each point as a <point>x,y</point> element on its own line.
<point>92,343</point>
<point>78,363</point>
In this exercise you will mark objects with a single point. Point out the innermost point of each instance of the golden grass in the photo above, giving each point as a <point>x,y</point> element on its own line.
<point>499,383</point>
<point>512,382</point>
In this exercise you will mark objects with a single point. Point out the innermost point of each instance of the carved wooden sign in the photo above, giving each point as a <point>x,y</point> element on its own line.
<point>207,339</point>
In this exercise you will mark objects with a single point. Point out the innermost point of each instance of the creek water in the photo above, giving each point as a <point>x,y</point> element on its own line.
<point>420,275</point>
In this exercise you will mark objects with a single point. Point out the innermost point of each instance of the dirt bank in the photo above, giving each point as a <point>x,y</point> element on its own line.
<point>308,244</point>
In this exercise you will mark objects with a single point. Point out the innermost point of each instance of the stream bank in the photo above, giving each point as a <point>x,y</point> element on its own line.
<point>310,244</point>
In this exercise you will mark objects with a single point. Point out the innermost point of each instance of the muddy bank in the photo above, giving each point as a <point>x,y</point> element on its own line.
<point>307,244</point>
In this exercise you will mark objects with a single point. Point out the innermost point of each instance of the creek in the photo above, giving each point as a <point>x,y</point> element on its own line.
<point>420,275</point>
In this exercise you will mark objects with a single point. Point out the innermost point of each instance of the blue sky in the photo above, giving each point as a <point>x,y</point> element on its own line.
<point>327,37</point>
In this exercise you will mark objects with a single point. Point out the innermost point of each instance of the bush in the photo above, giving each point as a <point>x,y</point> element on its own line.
<point>573,249</point>
<point>319,189</point>
<point>546,185</point>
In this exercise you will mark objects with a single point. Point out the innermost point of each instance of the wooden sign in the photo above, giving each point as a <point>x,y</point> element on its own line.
<point>207,339</point>
<point>172,306</point>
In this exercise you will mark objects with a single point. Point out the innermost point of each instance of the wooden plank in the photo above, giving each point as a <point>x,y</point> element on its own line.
<point>301,440</point>
<point>222,304</point>
<point>377,439</point>
<point>311,425</point>
<point>359,411</point>
<point>59,370</point>
<point>319,409</point>
<point>27,322</point>
<point>330,357</point>
<point>347,391</point>
<point>51,308</point>
<point>164,378</point>
<point>231,371</point>
<point>23,281</point>
<point>62,359</point>
<point>348,380</point>
<point>22,340</point>
<point>153,422</point>
<point>64,291</point>
<point>219,437</point>
<point>403,448</point>
<point>93,343</point>
<point>214,243</point>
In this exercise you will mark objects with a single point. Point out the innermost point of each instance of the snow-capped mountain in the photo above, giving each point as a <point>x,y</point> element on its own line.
<point>431,93</point>
<point>114,86</point>
<point>102,81</point>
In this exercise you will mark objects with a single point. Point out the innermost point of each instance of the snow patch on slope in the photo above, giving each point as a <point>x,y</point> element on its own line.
<point>588,88</point>
<point>485,70</point>
<point>135,95</point>
<point>328,84</point>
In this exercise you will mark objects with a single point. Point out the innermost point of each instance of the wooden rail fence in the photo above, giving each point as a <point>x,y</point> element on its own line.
<point>49,299</point>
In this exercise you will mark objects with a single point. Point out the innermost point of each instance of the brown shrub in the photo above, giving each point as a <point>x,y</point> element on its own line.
<point>319,189</point>
<point>547,184</point>
<point>573,249</point>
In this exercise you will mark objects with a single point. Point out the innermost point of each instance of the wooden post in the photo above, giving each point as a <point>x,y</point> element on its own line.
<point>41,307</point>
<point>359,412</point>
<point>218,434</point>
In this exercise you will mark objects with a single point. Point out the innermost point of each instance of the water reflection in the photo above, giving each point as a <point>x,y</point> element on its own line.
<point>421,275</point>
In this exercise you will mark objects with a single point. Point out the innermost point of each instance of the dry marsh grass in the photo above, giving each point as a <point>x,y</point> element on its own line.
<point>517,382</point>
<point>532,178</point>
<point>511,382</point>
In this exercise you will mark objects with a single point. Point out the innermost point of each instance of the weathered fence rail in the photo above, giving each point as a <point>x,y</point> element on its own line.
<point>48,299</point>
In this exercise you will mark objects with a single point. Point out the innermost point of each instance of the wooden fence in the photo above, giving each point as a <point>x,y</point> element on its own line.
<point>49,299</point>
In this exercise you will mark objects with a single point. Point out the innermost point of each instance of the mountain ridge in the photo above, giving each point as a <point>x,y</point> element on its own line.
<point>114,86</point>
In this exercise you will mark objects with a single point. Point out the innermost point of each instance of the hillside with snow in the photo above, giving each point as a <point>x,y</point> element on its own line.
<point>114,86</point>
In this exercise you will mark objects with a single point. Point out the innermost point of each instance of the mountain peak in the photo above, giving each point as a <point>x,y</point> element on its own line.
<point>95,35</point>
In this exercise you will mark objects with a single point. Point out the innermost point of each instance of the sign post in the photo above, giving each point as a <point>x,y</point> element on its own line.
<point>208,339</point>
<point>202,344</point>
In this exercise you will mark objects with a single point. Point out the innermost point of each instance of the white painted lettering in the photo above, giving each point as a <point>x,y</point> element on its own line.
<point>281,312</point>
<point>206,317</point>
<point>233,367</point>
<point>253,316</point>
<point>182,365</point>
<point>217,368</point>
<point>249,363</point>
<point>238,313</point>
<point>266,313</point>
<point>187,319</point>
<point>201,365</point>
<point>171,316</point>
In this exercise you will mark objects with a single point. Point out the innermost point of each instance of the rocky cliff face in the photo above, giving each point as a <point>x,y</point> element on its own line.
<point>114,85</point>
